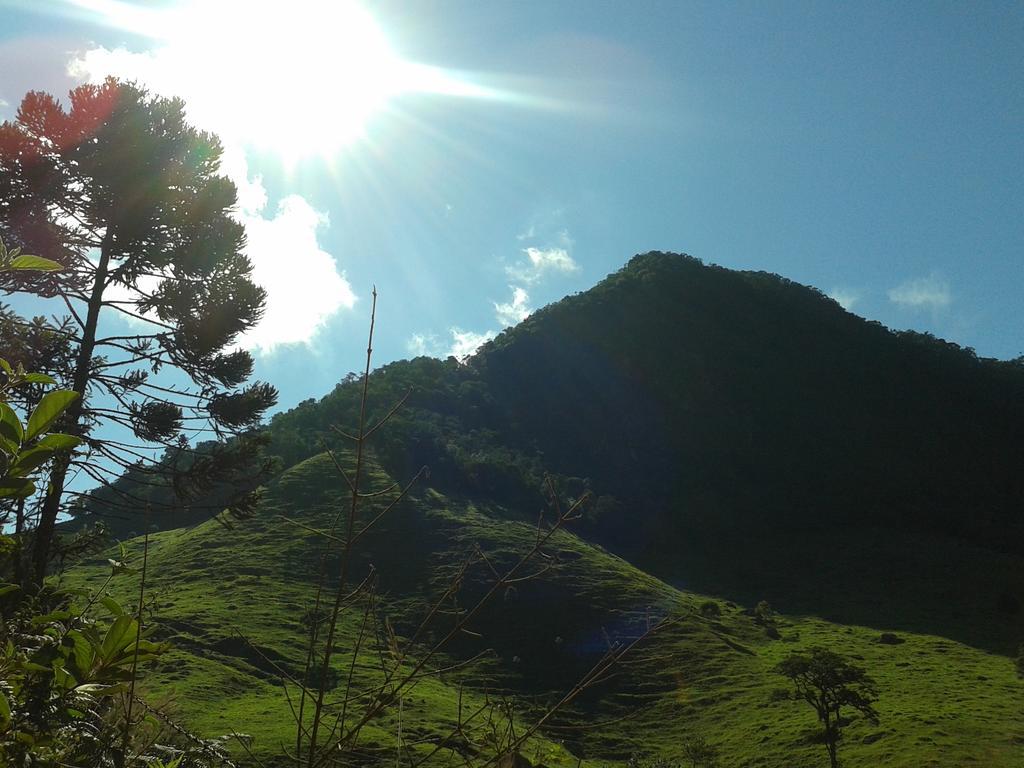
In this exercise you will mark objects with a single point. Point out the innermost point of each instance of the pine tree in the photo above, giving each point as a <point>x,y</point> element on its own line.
<point>126,196</point>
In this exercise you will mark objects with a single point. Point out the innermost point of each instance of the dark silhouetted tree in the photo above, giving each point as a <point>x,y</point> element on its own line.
<point>829,683</point>
<point>126,196</point>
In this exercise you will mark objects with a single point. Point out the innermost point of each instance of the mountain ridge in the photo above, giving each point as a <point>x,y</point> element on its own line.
<point>742,434</point>
<point>701,508</point>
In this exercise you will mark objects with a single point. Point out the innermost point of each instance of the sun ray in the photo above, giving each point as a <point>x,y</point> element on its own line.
<point>300,78</point>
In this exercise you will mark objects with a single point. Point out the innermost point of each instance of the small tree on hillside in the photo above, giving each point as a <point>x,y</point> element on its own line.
<point>125,196</point>
<point>828,683</point>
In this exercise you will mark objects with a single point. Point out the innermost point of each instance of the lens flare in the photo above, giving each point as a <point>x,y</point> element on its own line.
<point>299,78</point>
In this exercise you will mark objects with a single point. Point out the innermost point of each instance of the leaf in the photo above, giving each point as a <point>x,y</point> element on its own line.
<point>50,618</point>
<point>6,367</point>
<point>10,424</point>
<point>98,689</point>
<point>5,712</point>
<point>39,378</point>
<point>29,460</point>
<point>16,488</point>
<point>58,441</point>
<point>120,635</point>
<point>35,262</point>
<point>48,411</point>
<point>8,588</point>
<point>113,606</point>
<point>42,452</point>
<point>9,447</point>
<point>82,654</point>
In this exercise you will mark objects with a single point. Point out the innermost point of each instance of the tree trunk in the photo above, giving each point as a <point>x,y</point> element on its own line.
<point>832,741</point>
<point>72,419</point>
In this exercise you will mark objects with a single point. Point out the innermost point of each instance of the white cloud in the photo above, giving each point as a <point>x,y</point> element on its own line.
<point>465,343</point>
<point>541,261</point>
<point>516,310</point>
<point>252,196</point>
<point>845,298</point>
<point>922,293</point>
<point>303,284</point>
<point>420,344</point>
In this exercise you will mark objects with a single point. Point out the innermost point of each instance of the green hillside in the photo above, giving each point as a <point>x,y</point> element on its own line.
<point>941,702</point>
<point>741,439</point>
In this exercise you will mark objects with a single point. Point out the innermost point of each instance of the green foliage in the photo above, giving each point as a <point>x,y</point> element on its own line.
<point>24,449</point>
<point>15,261</point>
<point>115,189</point>
<point>65,671</point>
<point>764,614</point>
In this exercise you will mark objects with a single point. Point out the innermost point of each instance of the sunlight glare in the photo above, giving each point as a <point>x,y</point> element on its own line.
<point>316,71</point>
<point>298,78</point>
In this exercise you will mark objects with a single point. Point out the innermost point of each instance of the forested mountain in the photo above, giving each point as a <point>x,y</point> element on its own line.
<point>713,398</point>
<point>741,433</point>
<point>745,441</point>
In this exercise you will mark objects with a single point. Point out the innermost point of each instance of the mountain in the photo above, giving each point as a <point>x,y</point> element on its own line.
<point>744,438</point>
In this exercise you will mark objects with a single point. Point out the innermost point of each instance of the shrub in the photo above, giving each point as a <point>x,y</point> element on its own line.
<point>709,609</point>
<point>763,613</point>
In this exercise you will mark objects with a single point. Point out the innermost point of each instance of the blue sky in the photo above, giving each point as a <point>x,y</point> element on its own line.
<point>485,159</point>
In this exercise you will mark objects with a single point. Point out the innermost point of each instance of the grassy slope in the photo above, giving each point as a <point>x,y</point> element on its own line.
<point>942,703</point>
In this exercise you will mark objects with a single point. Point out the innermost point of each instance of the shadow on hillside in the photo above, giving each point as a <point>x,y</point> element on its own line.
<point>870,577</point>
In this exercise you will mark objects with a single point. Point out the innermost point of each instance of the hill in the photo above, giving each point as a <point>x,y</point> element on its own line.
<point>744,438</point>
<point>743,435</point>
<point>232,604</point>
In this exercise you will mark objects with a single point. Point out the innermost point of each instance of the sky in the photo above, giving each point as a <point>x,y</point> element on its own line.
<point>476,161</point>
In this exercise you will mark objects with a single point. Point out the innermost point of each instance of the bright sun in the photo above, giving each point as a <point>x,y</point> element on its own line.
<point>297,78</point>
<point>318,70</point>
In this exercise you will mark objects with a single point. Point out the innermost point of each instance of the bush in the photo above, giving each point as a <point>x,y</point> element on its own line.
<point>709,609</point>
<point>763,613</point>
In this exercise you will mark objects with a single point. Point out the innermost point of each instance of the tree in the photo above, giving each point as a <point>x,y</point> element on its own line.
<point>828,682</point>
<point>125,196</point>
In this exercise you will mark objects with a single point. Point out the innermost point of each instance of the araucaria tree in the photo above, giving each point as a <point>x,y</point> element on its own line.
<point>829,683</point>
<point>126,196</point>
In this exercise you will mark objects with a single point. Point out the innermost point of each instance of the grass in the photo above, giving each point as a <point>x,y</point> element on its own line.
<point>942,703</point>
